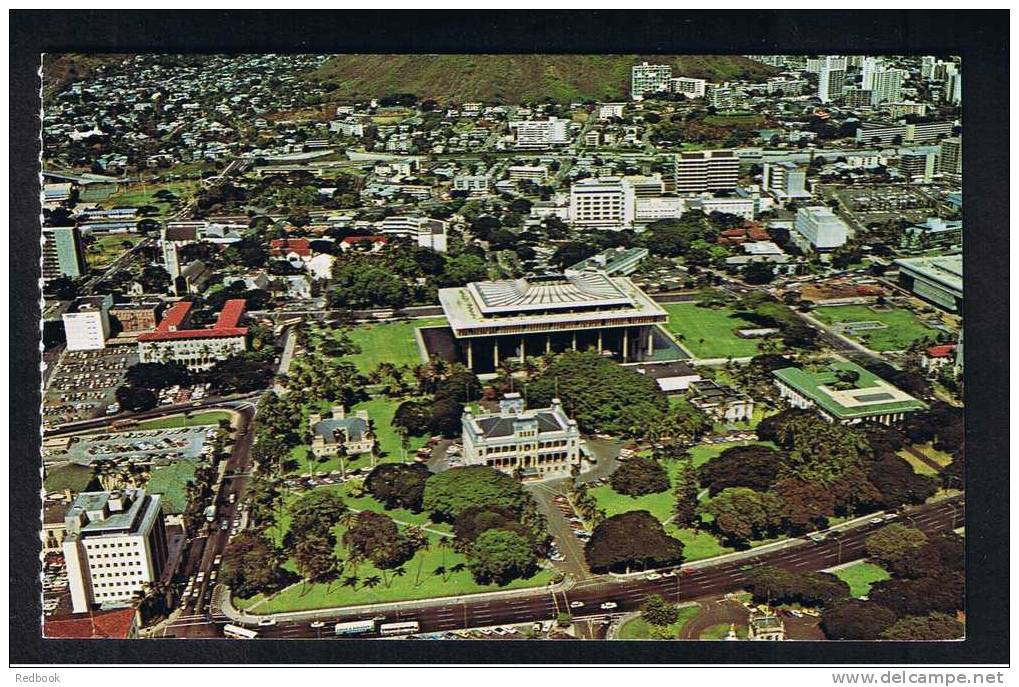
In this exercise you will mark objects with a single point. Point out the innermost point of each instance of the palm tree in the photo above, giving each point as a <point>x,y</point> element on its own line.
<point>440,570</point>
<point>371,582</point>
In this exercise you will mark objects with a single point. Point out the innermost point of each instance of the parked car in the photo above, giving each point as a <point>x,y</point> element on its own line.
<point>576,604</point>
<point>609,605</point>
<point>267,622</point>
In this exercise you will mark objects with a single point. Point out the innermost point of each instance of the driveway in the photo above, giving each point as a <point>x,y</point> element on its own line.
<point>572,548</point>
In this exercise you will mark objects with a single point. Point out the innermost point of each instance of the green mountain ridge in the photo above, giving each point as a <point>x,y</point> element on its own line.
<point>512,78</point>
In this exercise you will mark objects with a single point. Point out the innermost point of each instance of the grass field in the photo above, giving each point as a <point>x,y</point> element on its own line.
<point>861,576</point>
<point>902,326</point>
<point>721,631</point>
<point>391,342</point>
<point>69,476</point>
<point>211,417</point>
<point>170,481</point>
<point>919,467</point>
<point>709,332</point>
<point>108,248</point>
<point>137,195</point>
<point>638,628</point>
<point>433,572</point>
<point>736,119</point>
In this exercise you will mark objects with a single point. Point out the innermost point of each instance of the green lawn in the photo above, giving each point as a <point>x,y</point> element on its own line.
<point>211,417</point>
<point>710,332</point>
<point>861,576</point>
<point>721,631</point>
<point>638,628</point>
<point>391,342</point>
<point>919,467</point>
<point>170,481</point>
<point>420,578</point>
<point>138,195</point>
<point>902,326</point>
<point>107,248</point>
<point>69,476</point>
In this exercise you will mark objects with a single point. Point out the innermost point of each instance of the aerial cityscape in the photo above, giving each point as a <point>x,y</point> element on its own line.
<point>502,347</point>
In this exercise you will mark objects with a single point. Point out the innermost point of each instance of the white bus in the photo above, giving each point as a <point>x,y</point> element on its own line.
<point>394,629</point>
<point>354,627</point>
<point>238,632</point>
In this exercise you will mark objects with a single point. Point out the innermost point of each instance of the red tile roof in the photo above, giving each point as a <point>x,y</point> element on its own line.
<point>351,240</point>
<point>941,351</point>
<point>225,326</point>
<point>116,624</point>
<point>286,246</point>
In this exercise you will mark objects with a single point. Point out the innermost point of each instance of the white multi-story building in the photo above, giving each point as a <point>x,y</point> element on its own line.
<point>706,171</point>
<point>831,79</point>
<point>87,323</point>
<point>196,349</point>
<point>543,443</point>
<point>428,232</point>
<point>690,87</point>
<point>742,207</point>
<point>887,86</point>
<point>785,180</point>
<point>648,210</point>
<point>953,87</point>
<point>536,173</point>
<point>950,161</point>
<point>927,63</point>
<point>819,229</point>
<point>603,202</point>
<point>649,78</point>
<point>869,67</point>
<point>475,184</point>
<point>115,544</point>
<point>542,133</point>
<point>610,110</point>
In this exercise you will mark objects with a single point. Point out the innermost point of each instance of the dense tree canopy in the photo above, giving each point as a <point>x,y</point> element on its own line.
<point>858,620</point>
<point>158,375</point>
<point>135,398</point>
<point>775,586</point>
<point>893,543</point>
<point>640,476</point>
<point>742,514</point>
<point>599,394</point>
<point>398,486</point>
<point>944,593</point>
<point>755,467</point>
<point>629,540</point>
<point>475,520</point>
<point>376,537</point>
<point>898,483</point>
<point>252,564</point>
<point>500,556</point>
<point>449,493</point>
<point>933,627</point>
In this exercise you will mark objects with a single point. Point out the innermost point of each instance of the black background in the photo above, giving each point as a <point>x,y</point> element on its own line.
<point>980,37</point>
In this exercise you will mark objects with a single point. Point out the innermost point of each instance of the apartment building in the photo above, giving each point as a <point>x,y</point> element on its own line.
<point>649,78</point>
<point>606,202</point>
<point>115,544</point>
<point>87,323</point>
<point>706,171</point>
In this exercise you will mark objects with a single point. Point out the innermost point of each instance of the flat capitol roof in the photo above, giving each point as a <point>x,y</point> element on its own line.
<point>946,270</point>
<point>572,301</point>
<point>870,395</point>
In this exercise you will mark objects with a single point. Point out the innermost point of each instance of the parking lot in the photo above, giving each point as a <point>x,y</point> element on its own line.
<point>55,592</point>
<point>83,383</point>
<point>184,443</point>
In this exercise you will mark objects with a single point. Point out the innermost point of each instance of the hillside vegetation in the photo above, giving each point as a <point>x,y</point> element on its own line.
<point>511,78</point>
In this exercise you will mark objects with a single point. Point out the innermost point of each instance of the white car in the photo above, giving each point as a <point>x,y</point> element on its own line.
<point>653,576</point>
<point>576,604</point>
<point>266,622</point>
<point>317,624</point>
<point>609,605</point>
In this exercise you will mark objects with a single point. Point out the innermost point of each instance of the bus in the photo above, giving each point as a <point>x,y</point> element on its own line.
<point>122,424</point>
<point>354,627</point>
<point>238,632</point>
<point>394,629</point>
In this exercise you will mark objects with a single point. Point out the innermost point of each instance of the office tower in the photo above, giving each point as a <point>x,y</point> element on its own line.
<point>706,171</point>
<point>831,79</point>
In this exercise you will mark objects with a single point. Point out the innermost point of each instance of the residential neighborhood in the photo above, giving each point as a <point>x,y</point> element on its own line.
<point>661,348</point>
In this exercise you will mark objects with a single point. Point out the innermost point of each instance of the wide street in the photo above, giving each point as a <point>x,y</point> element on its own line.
<point>703,579</point>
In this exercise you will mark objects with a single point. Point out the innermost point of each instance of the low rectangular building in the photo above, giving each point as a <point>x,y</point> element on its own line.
<point>350,432</point>
<point>721,403</point>
<point>845,393</point>
<point>936,280</point>
<point>543,443</point>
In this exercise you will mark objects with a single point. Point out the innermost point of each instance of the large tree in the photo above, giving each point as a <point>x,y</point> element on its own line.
<point>315,555</point>
<point>449,493</point>
<point>897,482</point>
<point>472,522</point>
<point>318,510</point>
<point>640,476</point>
<point>501,556</point>
<point>599,394</point>
<point>892,543</point>
<point>398,486</point>
<point>252,565</point>
<point>933,627</point>
<point>158,375</point>
<point>376,537</point>
<point>742,514</point>
<point>631,539</point>
<point>919,597</point>
<point>857,620</point>
<point>776,585</point>
<point>659,612</point>
<point>135,398</point>
<point>755,467</point>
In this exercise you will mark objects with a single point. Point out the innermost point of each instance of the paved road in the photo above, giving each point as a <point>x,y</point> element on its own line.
<point>707,579</point>
<point>193,618</point>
